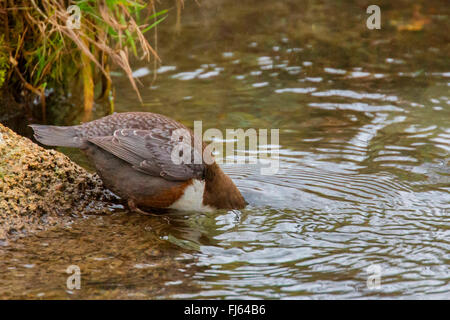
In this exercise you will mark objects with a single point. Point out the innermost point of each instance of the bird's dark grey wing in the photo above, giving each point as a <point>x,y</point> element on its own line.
<point>112,145</point>
<point>150,152</point>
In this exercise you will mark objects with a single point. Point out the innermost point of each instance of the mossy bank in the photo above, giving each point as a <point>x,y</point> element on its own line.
<point>42,188</point>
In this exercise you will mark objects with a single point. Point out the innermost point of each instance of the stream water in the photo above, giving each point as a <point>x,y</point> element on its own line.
<point>363,185</point>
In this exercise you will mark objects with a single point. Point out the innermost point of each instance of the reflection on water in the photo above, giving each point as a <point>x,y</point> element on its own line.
<point>364,175</point>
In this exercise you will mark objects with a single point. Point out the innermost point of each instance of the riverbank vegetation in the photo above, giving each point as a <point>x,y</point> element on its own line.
<point>47,44</point>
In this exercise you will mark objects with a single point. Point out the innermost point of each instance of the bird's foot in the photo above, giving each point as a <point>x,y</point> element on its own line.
<point>133,207</point>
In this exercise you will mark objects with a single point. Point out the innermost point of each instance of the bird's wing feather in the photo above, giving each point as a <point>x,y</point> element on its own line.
<point>150,152</point>
<point>111,145</point>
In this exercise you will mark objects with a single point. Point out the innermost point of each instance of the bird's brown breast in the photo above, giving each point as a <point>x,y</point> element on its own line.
<point>164,198</point>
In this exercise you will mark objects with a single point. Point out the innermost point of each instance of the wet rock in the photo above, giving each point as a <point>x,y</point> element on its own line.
<point>42,188</point>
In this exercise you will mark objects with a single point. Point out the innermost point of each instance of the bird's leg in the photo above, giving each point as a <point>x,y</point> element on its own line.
<point>133,207</point>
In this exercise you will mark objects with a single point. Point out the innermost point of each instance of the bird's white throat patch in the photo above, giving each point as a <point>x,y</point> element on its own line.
<point>192,198</point>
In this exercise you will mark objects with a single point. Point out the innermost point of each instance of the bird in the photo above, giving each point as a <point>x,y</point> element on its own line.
<point>132,154</point>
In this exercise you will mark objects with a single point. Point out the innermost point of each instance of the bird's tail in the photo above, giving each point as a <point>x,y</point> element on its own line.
<point>57,136</point>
